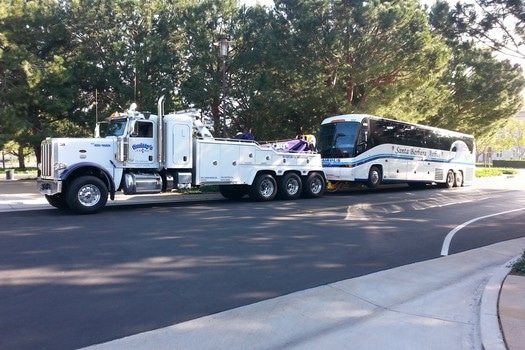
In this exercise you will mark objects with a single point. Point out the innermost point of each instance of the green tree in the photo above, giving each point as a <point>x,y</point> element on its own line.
<point>496,24</point>
<point>324,57</point>
<point>126,50</point>
<point>203,24</point>
<point>513,137</point>
<point>36,89</point>
<point>483,92</point>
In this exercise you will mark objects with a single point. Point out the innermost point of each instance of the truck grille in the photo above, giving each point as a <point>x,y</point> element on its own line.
<point>47,156</point>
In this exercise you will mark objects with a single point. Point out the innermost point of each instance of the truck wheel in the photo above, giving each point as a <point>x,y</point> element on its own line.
<point>290,186</point>
<point>86,195</point>
<point>233,191</point>
<point>314,186</point>
<point>57,200</point>
<point>263,188</point>
<point>374,177</point>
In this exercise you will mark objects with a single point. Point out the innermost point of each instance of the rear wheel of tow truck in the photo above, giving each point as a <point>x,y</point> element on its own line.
<point>449,180</point>
<point>290,186</point>
<point>313,186</point>
<point>233,191</point>
<point>264,188</point>
<point>86,195</point>
<point>57,200</point>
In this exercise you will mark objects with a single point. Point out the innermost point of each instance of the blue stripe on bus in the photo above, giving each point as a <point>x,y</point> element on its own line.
<point>345,164</point>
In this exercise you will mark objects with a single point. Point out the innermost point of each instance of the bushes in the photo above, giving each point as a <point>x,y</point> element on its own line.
<point>519,266</point>
<point>487,172</point>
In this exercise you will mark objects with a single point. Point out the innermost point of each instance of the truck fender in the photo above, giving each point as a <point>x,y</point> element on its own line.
<point>83,167</point>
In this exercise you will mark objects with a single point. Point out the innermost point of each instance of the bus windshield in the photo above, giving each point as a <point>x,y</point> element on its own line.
<point>338,140</point>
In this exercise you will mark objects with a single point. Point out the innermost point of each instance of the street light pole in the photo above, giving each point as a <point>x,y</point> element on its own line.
<point>224,46</point>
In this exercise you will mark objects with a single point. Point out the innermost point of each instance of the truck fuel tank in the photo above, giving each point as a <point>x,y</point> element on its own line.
<point>135,183</point>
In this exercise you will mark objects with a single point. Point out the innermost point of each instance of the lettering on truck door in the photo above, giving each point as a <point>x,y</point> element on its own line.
<point>142,146</point>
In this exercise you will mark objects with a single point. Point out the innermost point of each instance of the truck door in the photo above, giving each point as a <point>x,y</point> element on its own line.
<point>142,145</point>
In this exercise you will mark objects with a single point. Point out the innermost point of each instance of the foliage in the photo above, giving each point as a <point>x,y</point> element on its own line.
<point>484,92</point>
<point>489,172</point>
<point>512,136</point>
<point>519,265</point>
<point>200,190</point>
<point>497,24</point>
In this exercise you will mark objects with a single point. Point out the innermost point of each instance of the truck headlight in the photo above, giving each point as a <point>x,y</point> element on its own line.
<point>59,168</point>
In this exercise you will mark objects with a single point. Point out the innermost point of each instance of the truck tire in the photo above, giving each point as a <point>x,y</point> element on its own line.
<point>374,177</point>
<point>233,191</point>
<point>57,200</point>
<point>290,186</point>
<point>263,188</point>
<point>314,186</point>
<point>86,195</point>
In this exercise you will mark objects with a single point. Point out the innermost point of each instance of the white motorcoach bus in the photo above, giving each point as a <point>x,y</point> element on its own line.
<point>371,150</point>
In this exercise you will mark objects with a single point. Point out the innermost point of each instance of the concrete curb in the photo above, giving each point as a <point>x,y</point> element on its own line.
<point>490,329</point>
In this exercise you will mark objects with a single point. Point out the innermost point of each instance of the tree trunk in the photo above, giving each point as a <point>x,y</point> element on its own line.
<point>21,158</point>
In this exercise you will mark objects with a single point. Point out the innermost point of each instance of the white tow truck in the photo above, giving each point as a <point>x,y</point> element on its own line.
<point>142,153</point>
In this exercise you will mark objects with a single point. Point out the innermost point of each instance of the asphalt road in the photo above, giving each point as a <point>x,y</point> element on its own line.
<point>69,281</point>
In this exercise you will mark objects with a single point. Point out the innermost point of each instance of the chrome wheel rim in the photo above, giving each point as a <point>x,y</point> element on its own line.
<point>89,195</point>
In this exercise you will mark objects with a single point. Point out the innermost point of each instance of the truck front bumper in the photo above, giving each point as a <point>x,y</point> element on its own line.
<point>49,187</point>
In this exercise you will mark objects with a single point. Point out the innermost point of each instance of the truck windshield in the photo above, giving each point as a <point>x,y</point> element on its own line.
<point>337,140</point>
<point>115,127</point>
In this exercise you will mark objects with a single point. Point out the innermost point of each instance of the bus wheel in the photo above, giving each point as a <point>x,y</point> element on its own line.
<point>450,180</point>
<point>86,195</point>
<point>290,186</point>
<point>374,177</point>
<point>314,186</point>
<point>263,188</point>
<point>233,191</point>
<point>458,181</point>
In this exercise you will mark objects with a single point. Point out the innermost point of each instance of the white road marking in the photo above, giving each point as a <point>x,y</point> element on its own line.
<point>450,235</point>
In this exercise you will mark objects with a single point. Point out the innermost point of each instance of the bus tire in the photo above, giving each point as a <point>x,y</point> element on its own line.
<point>263,188</point>
<point>314,186</point>
<point>374,177</point>
<point>290,186</point>
<point>86,195</point>
<point>233,191</point>
<point>458,179</point>
<point>450,180</point>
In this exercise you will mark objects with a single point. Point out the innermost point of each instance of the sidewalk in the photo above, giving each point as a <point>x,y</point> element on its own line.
<point>452,302</point>
<point>445,303</point>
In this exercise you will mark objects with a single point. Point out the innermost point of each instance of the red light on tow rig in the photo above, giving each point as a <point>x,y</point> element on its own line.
<point>82,151</point>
